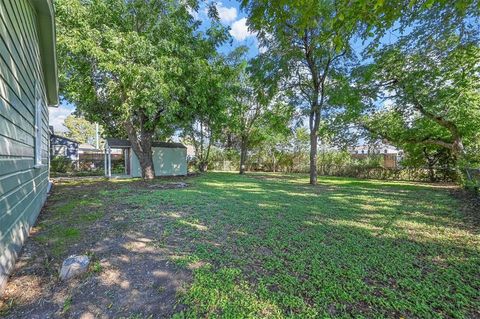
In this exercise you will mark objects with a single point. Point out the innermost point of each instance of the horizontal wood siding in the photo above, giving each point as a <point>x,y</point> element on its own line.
<point>23,187</point>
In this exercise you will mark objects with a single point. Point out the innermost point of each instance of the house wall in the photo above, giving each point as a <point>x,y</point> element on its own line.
<point>23,188</point>
<point>63,147</point>
<point>166,161</point>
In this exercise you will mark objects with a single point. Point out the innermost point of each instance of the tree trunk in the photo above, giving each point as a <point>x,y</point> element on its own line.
<point>146,163</point>
<point>203,166</point>
<point>431,173</point>
<point>142,147</point>
<point>243,156</point>
<point>273,156</point>
<point>313,157</point>
<point>204,155</point>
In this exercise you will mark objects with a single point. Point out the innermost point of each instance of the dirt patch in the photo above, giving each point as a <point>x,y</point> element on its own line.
<point>470,205</point>
<point>131,272</point>
<point>168,186</point>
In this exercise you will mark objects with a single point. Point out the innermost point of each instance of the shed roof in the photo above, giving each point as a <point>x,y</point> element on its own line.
<point>119,143</point>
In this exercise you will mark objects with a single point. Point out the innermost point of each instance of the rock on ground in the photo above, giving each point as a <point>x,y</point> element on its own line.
<point>73,266</point>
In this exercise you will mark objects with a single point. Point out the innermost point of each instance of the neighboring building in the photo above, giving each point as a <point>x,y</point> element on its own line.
<point>61,146</point>
<point>191,154</point>
<point>391,155</point>
<point>169,159</point>
<point>86,148</point>
<point>90,158</point>
<point>28,84</point>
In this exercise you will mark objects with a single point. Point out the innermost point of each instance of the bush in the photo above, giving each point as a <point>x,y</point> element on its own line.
<point>61,164</point>
<point>471,179</point>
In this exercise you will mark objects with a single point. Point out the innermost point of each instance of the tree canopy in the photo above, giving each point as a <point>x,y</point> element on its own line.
<point>303,55</point>
<point>125,64</point>
<point>149,69</point>
<point>81,130</point>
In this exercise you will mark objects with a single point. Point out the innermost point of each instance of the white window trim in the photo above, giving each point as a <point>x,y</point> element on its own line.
<point>38,126</point>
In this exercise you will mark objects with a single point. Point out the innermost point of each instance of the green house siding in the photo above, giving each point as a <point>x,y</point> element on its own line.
<point>23,186</point>
<point>166,161</point>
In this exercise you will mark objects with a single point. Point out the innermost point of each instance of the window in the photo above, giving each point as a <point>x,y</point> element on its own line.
<point>60,150</point>
<point>38,125</point>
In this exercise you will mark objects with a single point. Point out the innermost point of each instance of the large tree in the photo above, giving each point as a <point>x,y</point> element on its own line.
<point>254,114</point>
<point>433,18</point>
<point>428,95</point>
<point>304,52</point>
<point>204,112</point>
<point>121,64</point>
<point>421,91</point>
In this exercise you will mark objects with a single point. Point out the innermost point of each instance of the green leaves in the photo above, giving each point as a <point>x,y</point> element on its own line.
<point>124,61</point>
<point>424,97</point>
<point>80,129</point>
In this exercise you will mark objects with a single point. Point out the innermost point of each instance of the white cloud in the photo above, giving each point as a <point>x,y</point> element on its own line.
<point>57,116</point>
<point>193,13</point>
<point>240,30</point>
<point>261,49</point>
<point>226,15</point>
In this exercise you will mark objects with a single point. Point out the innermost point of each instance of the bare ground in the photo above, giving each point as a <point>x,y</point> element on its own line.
<point>131,273</point>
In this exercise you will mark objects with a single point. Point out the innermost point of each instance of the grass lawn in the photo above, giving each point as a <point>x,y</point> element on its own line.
<point>270,245</point>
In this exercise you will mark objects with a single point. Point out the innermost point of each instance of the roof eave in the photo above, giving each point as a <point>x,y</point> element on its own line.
<point>65,138</point>
<point>47,42</point>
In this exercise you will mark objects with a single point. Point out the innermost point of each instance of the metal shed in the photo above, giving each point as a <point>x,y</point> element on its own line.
<point>169,159</point>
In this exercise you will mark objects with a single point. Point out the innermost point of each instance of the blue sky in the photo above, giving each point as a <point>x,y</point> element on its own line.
<point>230,15</point>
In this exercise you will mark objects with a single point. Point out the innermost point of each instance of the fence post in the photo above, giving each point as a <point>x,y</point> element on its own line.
<point>105,162</point>
<point>109,162</point>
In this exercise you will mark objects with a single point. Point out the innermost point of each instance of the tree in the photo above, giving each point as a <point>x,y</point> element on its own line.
<point>303,52</point>
<point>259,126</point>
<point>121,65</point>
<point>254,114</point>
<point>204,114</point>
<point>432,18</point>
<point>80,129</point>
<point>434,158</point>
<point>425,96</point>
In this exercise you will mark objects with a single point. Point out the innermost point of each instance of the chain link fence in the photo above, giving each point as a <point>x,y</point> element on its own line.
<point>88,164</point>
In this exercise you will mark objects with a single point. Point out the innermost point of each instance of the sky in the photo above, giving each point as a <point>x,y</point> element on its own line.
<point>230,15</point>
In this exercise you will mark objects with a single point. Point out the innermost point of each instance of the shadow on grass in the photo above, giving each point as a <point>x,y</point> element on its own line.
<point>269,246</point>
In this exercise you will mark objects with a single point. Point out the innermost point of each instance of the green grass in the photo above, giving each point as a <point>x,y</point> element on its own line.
<point>65,221</point>
<point>270,245</point>
<point>273,246</point>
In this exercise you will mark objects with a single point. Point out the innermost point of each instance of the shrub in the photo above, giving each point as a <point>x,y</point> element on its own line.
<point>61,164</point>
<point>471,179</point>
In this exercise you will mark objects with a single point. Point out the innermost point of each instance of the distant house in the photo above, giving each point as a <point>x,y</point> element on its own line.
<point>89,157</point>
<point>391,155</point>
<point>191,153</point>
<point>169,159</point>
<point>84,148</point>
<point>61,146</point>
<point>28,84</point>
